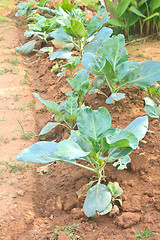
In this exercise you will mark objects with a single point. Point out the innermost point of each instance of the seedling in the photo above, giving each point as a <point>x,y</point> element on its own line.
<point>31,104</point>
<point>25,135</point>
<point>25,80</point>
<point>151,108</point>
<point>65,114</point>
<point>144,234</point>
<point>97,144</point>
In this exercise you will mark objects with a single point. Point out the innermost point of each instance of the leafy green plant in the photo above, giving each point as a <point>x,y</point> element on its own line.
<point>71,66</point>
<point>98,144</point>
<point>80,84</point>
<point>65,113</point>
<point>144,234</point>
<point>151,108</point>
<point>112,67</point>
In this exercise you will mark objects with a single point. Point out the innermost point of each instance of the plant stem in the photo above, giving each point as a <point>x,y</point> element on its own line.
<point>109,85</point>
<point>87,168</point>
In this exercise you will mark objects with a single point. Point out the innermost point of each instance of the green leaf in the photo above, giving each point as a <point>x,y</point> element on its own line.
<point>151,108</point>
<point>154,4</point>
<point>137,12</point>
<point>67,7</point>
<point>93,123</point>
<point>115,97</point>
<point>76,29</point>
<point>80,83</point>
<point>49,126</point>
<point>52,107</point>
<point>97,200</point>
<point>97,41</point>
<point>138,127</point>
<point>42,3</point>
<point>41,152</point>
<point>69,150</point>
<point>60,53</point>
<point>27,47</point>
<point>80,141</point>
<point>115,189</point>
<point>122,162</point>
<point>97,84</point>
<point>144,74</point>
<point>61,36</point>
<point>157,14</point>
<point>112,8</point>
<point>116,22</point>
<point>122,6</point>
<point>106,210</point>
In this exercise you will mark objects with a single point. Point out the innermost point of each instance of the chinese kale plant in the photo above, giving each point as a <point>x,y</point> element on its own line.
<point>65,114</point>
<point>112,67</point>
<point>92,147</point>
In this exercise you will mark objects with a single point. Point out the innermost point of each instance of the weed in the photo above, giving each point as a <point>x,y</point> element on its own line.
<point>144,234</point>
<point>31,104</point>
<point>25,80</point>
<point>11,70</point>
<point>20,107</point>
<point>15,62</point>
<point>14,167</point>
<point>25,135</point>
<point>4,140</point>
<point>142,56</point>
<point>15,98</point>
<point>70,231</point>
<point>1,38</point>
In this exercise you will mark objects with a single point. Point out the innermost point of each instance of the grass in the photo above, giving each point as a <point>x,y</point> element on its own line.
<point>4,19</point>
<point>15,167</point>
<point>1,38</point>
<point>11,70</point>
<point>70,231</point>
<point>26,135</point>
<point>25,80</point>
<point>4,140</point>
<point>31,104</point>
<point>14,62</point>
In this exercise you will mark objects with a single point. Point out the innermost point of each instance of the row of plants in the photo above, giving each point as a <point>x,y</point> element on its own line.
<point>92,143</point>
<point>142,17</point>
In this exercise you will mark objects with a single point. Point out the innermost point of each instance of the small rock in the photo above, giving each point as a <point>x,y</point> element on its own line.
<point>20,192</point>
<point>63,236</point>
<point>128,219</point>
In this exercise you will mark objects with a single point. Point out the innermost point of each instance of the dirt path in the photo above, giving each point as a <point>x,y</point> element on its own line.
<point>16,106</point>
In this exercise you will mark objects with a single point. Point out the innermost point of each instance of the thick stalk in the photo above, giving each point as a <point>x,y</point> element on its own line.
<point>109,85</point>
<point>87,168</point>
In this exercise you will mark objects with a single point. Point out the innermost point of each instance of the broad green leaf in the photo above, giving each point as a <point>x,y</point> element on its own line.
<point>61,36</point>
<point>27,47</point>
<point>80,83</point>
<point>116,153</point>
<point>69,150</point>
<point>138,127</point>
<point>122,162</point>
<point>41,152</point>
<point>115,97</point>
<point>113,51</point>
<point>93,123</point>
<point>151,108</point>
<point>29,33</point>
<point>98,40</point>
<point>122,6</point>
<point>112,8</point>
<point>144,74</point>
<point>67,7</point>
<point>36,18</point>
<point>80,141</point>
<point>97,200</point>
<point>49,126</point>
<point>69,107</point>
<point>115,138</point>
<point>137,12</point>
<point>115,189</point>
<point>52,107</point>
<point>116,22</point>
<point>76,29</point>
<point>60,53</point>
<point>154,4</point>
<point>106,210</point>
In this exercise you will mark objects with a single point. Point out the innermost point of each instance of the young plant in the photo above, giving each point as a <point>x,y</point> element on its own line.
<point>112,67</point>
<point>71,66</point>
<point>97,144</point>
<point>144,234</point>
<point>65,113</point>
<point>80,84</point>
<point>25,135</point>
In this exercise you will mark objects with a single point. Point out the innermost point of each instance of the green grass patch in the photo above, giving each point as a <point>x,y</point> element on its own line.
<point>4,19</point>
